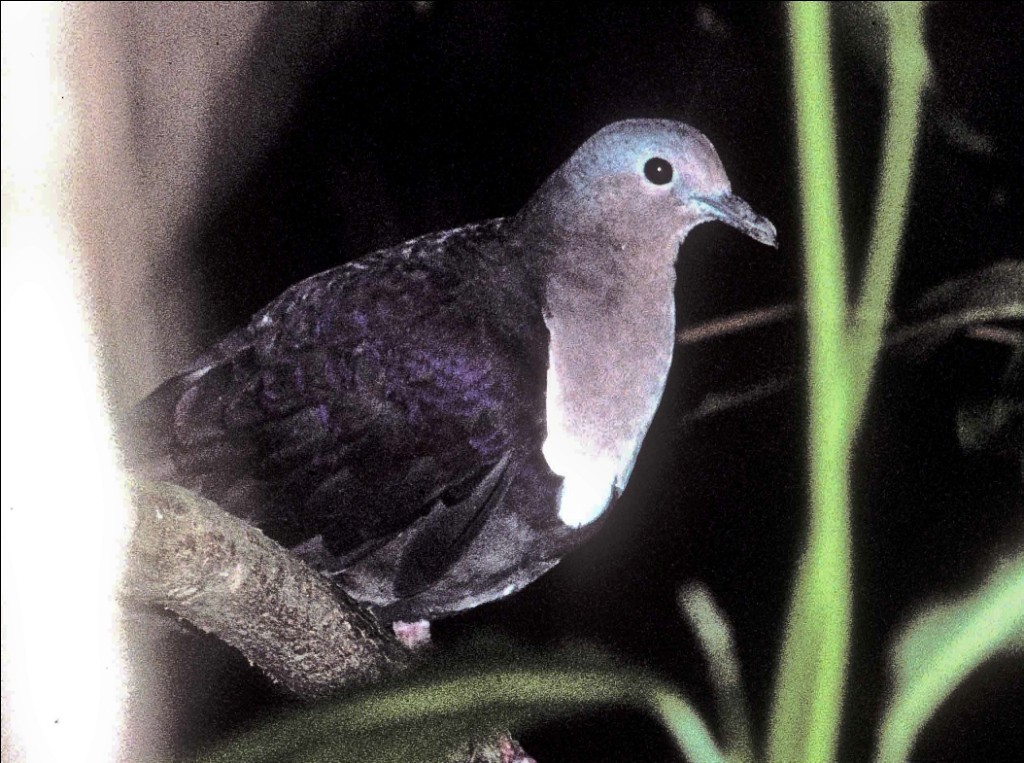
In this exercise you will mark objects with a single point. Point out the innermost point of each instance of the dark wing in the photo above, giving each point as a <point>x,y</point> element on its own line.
<point>448,529</point>
<point>359,401</point>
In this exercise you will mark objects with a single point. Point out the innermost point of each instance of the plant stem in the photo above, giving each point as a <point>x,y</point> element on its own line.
<point>812,669</point>
<point>908,73</point>
<point>809,686</point>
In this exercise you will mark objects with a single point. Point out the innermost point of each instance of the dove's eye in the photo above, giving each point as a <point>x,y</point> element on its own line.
<point>658,171</point>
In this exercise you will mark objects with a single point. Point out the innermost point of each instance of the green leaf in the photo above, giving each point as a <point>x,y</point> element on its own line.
<point>427,716</point>
<point>688,729</point>
<point>714,635</point>
<point>940,647</point>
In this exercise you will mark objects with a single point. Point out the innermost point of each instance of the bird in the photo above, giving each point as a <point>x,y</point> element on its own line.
<point>434,425</point>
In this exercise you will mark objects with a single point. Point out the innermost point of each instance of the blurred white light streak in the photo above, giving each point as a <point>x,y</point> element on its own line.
<point>63,501</point>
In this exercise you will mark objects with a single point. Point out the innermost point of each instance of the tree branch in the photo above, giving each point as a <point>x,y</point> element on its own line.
<point>227,578</point>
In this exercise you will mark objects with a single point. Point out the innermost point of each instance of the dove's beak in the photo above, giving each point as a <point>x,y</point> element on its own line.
<point>734,211</point>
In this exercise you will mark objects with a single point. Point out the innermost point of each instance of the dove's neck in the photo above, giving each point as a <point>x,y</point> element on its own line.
<point>611,338</point>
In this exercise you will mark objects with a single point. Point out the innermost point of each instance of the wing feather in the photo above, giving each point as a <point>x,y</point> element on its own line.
<point>347,410</point>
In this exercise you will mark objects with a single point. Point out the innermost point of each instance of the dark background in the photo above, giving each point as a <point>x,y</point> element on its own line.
<point>428,116</point>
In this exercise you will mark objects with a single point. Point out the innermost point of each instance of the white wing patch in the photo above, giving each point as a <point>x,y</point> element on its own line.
<point>587,478</point>
<point>590,471</point>
<point>583,498</point>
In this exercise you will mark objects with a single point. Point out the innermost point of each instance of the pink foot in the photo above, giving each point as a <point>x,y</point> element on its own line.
<point>511,752</point>
<point>414,636</point>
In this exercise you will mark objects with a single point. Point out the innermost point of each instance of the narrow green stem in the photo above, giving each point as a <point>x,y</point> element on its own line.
<point>810,684</point>
<point>811,676</point>
<point>908,73</point>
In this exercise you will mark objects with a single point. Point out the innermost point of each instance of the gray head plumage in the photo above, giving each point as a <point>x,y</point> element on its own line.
<point>645,178</point>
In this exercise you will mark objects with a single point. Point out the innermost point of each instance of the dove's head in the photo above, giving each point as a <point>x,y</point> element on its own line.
<point>604,233</point>
<point>640,186</point>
